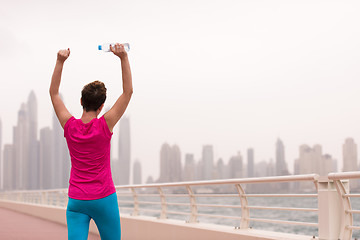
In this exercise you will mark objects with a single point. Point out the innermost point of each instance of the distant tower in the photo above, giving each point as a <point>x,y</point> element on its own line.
<point>21,149</point>
<point>46,169</point>
<point>250,162</point>
<point>208,161</point>
<point>60,156</point>
<point>235,166</point>
<point>189,168</point>
<point>170,163</point>
<point>137,172</point>
<point>165,155</point>
<point>280,168</point>
<point>124,151</point>
<point>350,155</point>
<point>220,169</point>
<point>33,176</point>
<point>1,161</point>
<point>175,164</point>
<point>9,176</point>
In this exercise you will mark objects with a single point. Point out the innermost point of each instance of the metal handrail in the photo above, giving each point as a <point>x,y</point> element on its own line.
<point>58,197</point>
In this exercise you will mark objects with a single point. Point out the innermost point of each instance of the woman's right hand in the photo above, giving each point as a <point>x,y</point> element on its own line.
<point>119,50</point>
<point>63,55</point>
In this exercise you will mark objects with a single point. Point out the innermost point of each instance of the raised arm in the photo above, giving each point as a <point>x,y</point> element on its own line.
<point>115,113</point>
<point>61,111</point>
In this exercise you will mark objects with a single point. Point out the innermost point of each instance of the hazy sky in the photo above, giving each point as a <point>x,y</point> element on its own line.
<point>234,74</point>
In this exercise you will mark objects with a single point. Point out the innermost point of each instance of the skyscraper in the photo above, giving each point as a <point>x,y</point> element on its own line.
<point>124,151</point>
<point>236,166</point>
<point>137,172</point>
<point>21,149</point>
<point>189,168</point>
<point>33,176</point>
<point>9,174</point>
<point>46,168</point>
<point>165,156</point>
<point>208,161</point>
<point>1,160</point>
<point>250,162</point>
<point>281,168</point>
<point>60,156</point>
<point>170,163</point>
<point>350,158</point>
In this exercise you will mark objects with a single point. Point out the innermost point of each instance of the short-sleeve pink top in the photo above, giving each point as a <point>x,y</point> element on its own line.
<point>89,147</point>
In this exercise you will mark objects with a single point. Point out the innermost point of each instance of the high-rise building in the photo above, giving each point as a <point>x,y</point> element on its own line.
<point>46,169</point>
<point>9,174</point>
<point>21,149</point>
<point>124,152</point>
<point>350,158</point>
<point>170,163</point>
<point>221,172</point>
<point>137,172</point>
<point>250,162</point>
<point>189,168</point>
<point>235,166</point>
<point>311,160</point>
<point>281,167</point>
<point>33,176</point>
<point>165,155</point>
<point>60,156</point>
<point>208,162</point>
<point>175,164</point>
<point>1,161</point>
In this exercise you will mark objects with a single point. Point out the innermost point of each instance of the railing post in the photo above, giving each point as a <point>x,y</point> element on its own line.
<point>331,213</point>
<point>245,213</point>
<point>163,214</point>
<point>342,187</point>
<point>193,206</point>
<point>136,203</point>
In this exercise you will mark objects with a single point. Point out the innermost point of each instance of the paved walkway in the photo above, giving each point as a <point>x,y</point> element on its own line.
<point>18,226</point>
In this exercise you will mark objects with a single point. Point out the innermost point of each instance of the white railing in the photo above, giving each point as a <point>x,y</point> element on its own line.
<point>347,225</point>
<point>186,199</point>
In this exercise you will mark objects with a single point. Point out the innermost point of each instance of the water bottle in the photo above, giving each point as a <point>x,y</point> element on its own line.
<point>106,47</point>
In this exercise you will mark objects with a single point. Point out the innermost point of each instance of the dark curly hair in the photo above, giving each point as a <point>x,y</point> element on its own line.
<point>93,96</point>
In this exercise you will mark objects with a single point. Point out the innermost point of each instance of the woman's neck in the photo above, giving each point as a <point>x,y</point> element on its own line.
<point>88,116</point>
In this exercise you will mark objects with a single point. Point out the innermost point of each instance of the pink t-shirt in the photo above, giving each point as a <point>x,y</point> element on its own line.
<point>89,147</point>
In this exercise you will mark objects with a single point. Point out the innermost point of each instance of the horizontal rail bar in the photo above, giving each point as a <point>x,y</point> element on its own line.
<point>218,216</point>
<point>280,195</point>
<point>147,195</point>
<point>353,211</point>
<point>351,195</point>
<point>353,227</point>
<point>125,202</point>
<point>178,204</point>
<point>216,195</point>
<point>176,195</point>
<point>284,208</point>
<point>289,178</point>
<point>149,202</point>
<point>283,222</point>
<point>344,175</point>
<point>219,206</point>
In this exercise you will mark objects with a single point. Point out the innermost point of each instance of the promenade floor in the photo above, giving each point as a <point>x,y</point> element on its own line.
<point>18,226</point>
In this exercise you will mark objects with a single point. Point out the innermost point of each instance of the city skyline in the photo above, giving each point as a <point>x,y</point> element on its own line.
<point>174,164</point>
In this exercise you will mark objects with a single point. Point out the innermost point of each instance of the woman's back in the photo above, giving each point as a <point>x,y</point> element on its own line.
<point>89,147</point>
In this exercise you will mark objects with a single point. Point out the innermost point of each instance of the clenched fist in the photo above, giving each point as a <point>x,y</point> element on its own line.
<point>63,55</point>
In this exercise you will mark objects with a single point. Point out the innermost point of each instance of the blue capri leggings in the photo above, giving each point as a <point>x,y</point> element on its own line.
<point>104,212</point>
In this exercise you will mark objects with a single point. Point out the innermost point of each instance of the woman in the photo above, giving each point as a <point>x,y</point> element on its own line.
<point>91,192</point>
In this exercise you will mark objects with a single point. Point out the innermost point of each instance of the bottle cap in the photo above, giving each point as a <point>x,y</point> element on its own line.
<point>100,47</point>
